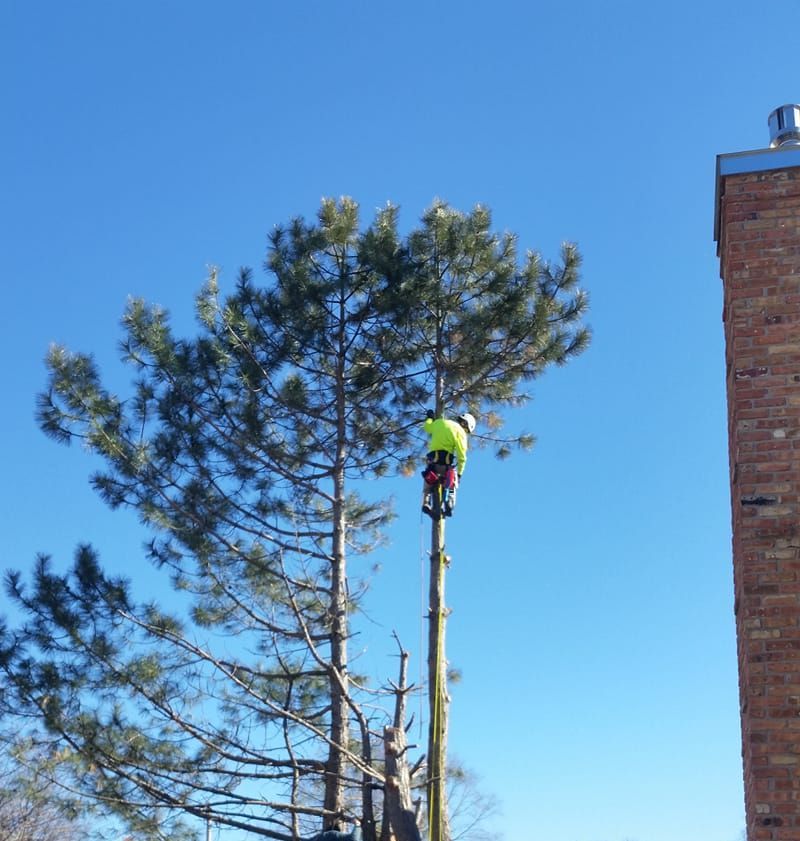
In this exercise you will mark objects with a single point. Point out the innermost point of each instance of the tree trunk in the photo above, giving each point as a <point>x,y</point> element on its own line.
<point>397,796</point>
<point>368,832</point>
<point>336,766</point>
<point>438,698</point>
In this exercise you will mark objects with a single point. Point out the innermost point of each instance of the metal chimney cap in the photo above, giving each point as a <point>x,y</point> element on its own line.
<point>784,126</point>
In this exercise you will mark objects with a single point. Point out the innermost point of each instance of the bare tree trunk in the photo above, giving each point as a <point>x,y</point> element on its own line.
<point>397,797</point>
<point>336,766</point>
<point>367,782</point>
<point>334,800</point>
<point>438,697</point>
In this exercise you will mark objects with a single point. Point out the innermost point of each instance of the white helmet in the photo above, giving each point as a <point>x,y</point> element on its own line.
<point>467,420</point>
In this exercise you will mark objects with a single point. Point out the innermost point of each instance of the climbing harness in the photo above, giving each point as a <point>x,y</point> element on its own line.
<point>442,481</point>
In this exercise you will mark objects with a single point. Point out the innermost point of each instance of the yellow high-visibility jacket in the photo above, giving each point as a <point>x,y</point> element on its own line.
<point>449,436</point>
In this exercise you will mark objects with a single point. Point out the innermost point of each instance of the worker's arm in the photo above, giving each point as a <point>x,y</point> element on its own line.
<point>460,442</point>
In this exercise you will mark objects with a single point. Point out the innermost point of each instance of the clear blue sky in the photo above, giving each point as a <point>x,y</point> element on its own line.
<point>591,582</point>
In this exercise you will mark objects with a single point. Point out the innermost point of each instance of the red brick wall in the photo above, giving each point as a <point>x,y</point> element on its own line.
<point>760,267</point>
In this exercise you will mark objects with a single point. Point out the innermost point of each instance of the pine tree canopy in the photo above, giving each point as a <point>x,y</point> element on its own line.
<point>244,450</point>
<point>483,324</point>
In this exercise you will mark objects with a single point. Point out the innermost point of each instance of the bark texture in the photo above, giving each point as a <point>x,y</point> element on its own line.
<point>399,806</point>
<point>439,700</point>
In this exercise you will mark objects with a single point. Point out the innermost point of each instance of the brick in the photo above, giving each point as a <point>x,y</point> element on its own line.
<point>759,242</point>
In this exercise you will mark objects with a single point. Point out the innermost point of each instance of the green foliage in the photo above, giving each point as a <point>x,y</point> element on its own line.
<point>241,450</point>
<point>483,325</point>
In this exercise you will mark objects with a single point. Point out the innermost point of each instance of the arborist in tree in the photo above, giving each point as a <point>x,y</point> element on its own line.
<point>447,458</point>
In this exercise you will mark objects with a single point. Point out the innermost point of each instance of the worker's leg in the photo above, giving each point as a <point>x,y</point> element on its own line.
<point>429,480</point>
<point>451,484</point>
<point>426,498</point>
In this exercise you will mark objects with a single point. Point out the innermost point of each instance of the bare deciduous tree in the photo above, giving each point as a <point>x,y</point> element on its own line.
<point>30,812</point>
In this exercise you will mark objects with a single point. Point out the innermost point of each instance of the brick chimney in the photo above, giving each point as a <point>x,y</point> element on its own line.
<point>757,229</point>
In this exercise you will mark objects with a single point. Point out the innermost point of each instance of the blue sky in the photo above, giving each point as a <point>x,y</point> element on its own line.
<point>591,582</point>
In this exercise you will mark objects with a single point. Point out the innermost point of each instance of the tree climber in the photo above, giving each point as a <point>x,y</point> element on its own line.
<point>447,458</point>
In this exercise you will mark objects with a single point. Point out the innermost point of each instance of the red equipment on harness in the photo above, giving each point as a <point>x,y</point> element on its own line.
<point>430,475</point>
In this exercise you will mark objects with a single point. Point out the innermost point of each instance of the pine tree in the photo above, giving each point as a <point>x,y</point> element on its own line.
<point>484,326</point>
<point>242,450</point>
<point>238,448</point>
